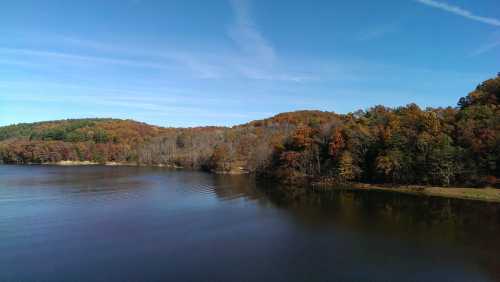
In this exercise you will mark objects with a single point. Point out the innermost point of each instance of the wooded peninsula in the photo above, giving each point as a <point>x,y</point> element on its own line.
<point>452,146</point>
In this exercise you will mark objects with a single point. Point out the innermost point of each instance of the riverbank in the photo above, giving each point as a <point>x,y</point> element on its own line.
<point>478,194</point>
<point>91,163</point>
<point>88,163</point>
<point>235,171</point>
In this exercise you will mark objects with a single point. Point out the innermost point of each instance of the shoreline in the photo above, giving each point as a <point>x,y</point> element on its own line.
<point>239,171</point>
<point>488,194</point>
<point>85,163</point>
<point>91,163</point>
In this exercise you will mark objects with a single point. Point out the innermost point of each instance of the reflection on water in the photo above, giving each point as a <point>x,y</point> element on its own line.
<point>470,228</point>
<point>130,223</point>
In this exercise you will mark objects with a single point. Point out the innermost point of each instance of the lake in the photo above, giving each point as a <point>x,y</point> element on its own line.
<point>101,223</point>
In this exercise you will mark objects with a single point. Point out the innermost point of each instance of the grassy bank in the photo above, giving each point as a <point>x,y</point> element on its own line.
<point>479,194</point>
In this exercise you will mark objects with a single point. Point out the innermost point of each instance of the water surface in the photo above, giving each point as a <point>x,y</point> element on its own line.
<point>151,224</point>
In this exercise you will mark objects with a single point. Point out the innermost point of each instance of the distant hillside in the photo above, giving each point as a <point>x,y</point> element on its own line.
<point>81,130</point>
<point>96,140</point>
<point>298,117</point>
<point>443,146</point>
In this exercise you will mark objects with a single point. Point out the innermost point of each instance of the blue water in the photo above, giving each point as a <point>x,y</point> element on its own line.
<point>102,223</point>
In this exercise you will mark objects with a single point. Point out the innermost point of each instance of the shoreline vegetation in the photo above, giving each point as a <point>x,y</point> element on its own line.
<point>485,194</point>
<point>236,171</point>
<point>415,149</point>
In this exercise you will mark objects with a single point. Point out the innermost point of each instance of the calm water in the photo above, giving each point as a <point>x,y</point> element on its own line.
<point>146,224</point>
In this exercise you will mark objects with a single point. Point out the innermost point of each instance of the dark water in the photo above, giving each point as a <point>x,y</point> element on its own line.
<point>146,224</point>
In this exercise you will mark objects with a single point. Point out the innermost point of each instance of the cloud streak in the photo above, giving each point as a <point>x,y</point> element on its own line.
<point>460,12</point>
<point>492,43</point>
<point>377,32</point>
<point>247,36</point>
<point>256,58</point>
<point>81,58</point>
<point>485,48</point>
<point>251,57</point>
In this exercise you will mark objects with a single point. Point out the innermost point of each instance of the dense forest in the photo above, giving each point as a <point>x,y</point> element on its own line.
<point>404,145</point>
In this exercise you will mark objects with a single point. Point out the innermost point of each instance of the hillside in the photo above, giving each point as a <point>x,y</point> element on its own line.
<point>96,140</point>
<point>81,130</point>
<point>405,145</point>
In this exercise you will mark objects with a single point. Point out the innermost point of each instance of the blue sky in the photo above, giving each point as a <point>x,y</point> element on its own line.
<point>226,62</point>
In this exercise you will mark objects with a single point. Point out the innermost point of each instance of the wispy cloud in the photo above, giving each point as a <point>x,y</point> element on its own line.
<point>377,32</point>
<point>159,96</point>
<point>247,36</point>
<point>485,48</point>
<point>252,57</point>
<point>256,58</point>
<point>263,74</point>
<point>81,51</point>
<point>491,44</point>
<point>69,57</point>
<point>146,107</point>
<point>198,66</point>
<point>460,12</point>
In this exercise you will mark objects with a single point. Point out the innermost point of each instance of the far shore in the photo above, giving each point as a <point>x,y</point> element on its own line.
<point>488,194</point>
<point>90,163</point>
<point>236,171</point>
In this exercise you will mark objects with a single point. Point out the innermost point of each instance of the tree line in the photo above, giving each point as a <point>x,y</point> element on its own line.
<point>404,145</point>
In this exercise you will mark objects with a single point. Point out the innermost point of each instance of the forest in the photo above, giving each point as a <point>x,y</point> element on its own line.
<point>457,145</point>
